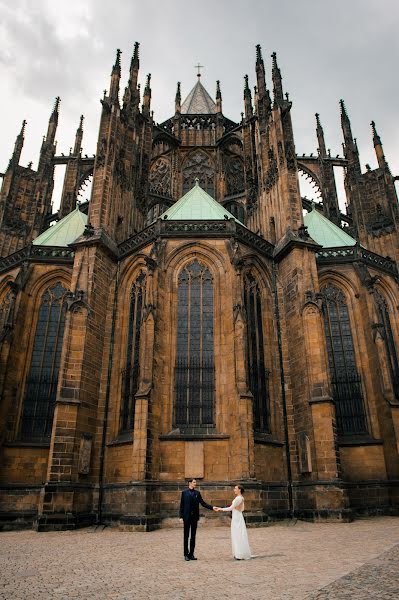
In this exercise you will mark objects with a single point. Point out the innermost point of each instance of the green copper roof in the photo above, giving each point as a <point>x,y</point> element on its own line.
<point>326,233</point>
<point>197,205</point>
<point>64,232</point>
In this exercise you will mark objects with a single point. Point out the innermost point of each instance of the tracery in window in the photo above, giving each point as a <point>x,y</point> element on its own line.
<point>199,166</point>
<point>345,379</point>
<point>42,379</point>
<point>194,369</point>
<point>159,178</point>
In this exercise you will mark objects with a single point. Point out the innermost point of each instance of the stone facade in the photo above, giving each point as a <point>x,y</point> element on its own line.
<point>303,375</point>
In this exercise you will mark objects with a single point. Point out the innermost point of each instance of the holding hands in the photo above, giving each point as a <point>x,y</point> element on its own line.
<point>217,509</point>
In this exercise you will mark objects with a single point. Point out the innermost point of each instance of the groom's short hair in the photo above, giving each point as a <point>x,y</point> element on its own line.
<point>191,479</point>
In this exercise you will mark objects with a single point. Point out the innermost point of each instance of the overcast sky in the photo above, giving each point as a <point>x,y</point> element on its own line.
<point>327,50</point>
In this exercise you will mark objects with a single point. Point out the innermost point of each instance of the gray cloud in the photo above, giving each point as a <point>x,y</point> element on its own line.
<point>326,50</point>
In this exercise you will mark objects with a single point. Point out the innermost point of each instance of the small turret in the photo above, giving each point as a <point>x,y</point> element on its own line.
<point>178,99</point>
<point>147,97</point>
<point>277,82</point>
<point>320,137</point>
<point>218,98</point>
<point>79,137</point>
<point>19,143</point>
<point>350,147</point>
<point>382,163</point>
<point>115,79</point>
<point>247,99</point>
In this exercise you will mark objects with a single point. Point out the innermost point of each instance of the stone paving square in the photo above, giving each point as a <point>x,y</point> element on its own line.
<point>294,561</point>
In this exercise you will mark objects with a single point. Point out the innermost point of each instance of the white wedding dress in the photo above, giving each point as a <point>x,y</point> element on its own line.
<point>239,536</point>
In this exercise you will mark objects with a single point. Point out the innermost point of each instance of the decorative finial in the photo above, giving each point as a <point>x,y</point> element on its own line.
<point>81,122</point>
<point>147,85</point>
<point>246,82</point>
<point>57,104</point>
<point>274,60</point>
<point>258,53</point>
<point>196,181</point>
<point>343,109</point>
<point>199,67</point>
<point>136,50</point>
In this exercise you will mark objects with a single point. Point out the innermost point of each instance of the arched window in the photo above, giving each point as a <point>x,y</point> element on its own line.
<point>385,322</point>
<point>345,379</point>
<point>131,373</point>
<point>41,383</point>
<point>257,373</point>
<point>195,369</point>
<point>199,166</point>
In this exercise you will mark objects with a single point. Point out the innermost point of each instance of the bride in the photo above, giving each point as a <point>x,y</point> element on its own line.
<point>239,537</point>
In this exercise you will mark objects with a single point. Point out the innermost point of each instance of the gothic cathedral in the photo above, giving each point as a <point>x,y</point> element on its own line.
<point>197,318</point>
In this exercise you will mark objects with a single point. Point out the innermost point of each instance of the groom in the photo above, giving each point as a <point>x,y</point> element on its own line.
<point>189,514</point>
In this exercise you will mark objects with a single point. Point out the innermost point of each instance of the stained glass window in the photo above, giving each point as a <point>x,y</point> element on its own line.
<point>194,369</point>
<point>345,379</point>
<point>41,383</point>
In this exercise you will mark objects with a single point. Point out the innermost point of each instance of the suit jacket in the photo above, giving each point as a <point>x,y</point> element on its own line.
<point>188,509</point>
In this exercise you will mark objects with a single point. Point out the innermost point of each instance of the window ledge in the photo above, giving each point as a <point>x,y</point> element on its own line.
<point>185,436</point>
<point>122,439</point>
<point>267,439</point>
<point>362,440</point>
<point>27,444</point>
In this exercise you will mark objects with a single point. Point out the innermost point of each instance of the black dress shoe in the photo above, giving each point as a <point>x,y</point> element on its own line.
<point>186,558</point>
<point>192,557</point>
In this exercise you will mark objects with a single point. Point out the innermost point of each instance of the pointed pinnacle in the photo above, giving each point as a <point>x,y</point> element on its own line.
<point>81,122</point>
<point>57,104</point>
<point>274,60</point>
<point>218,92</point>
<point>259,58</point>
<point>178,95</point>
<point>23,128</point>
<point>136,50</point>
<point>318,120</point>
<point>246,82</point>
<point>117,65</point>
<point>343,109</point>
<point>148,82</point>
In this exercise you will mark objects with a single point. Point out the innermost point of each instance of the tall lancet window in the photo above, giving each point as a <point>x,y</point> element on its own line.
<point>345,379</point>
<point>385,321</point>
<point>257,372</point>
<point>41,383</point>
<point>131,372</point>
<point>195,368</point>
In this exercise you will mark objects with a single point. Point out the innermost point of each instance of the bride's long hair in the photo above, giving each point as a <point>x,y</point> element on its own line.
<point>240,487</point>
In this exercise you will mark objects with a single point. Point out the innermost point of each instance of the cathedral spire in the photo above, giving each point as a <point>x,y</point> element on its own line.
<point>178,99</point>
<point>134,67</point>
<point>350,147</point>
<point>263,101</point>
<point>382,163</point>
<point>320,137</point>
<point>53,122</point>
<point>247,99</point>
<point>115,79</point>
<point>218,97</point>
<point>147,96</point>
<point>19,143</point>
<point>79,137</point>
<point>277,82</point>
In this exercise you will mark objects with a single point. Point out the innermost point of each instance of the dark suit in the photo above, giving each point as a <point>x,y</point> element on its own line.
<point>189,512</point>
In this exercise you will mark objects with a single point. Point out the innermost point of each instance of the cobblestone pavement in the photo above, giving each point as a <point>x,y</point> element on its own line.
<point>347,561</point>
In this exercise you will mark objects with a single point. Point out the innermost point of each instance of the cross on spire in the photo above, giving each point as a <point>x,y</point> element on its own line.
<point>199,67</point>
